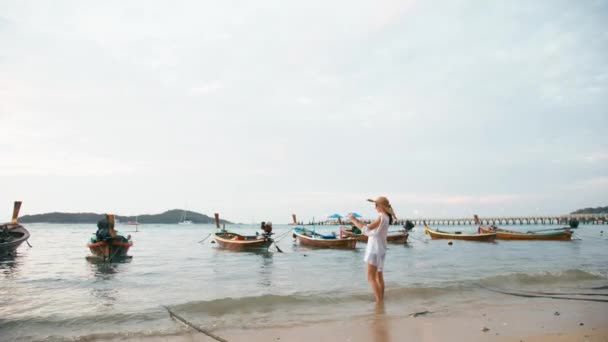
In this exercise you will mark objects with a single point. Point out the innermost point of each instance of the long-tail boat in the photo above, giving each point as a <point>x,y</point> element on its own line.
<point>238,242</point>
<point>311,238</point>
<point>392,237</point>
<point>504,234</point>
<point>107,243</point>
<point>560,234</point>
<point>12,234</point>
<point>438,234</point>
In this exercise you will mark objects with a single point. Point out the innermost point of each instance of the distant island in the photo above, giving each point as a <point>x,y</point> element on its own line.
<point>168,217</point>
<point>598,210</point>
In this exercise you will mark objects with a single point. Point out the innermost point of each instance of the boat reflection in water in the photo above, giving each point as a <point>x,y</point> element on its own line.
<point>106,270</point>
<point>9,266</point>
<point>266,266</point>
<point>103,288</point>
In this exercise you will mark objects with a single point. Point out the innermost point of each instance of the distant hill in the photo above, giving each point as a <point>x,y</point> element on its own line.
<point>168,217</point>
<point>598,210</point>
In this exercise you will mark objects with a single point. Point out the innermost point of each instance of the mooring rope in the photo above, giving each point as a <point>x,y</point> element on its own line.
<point>193,326</point>
<point>205,238</point>
<point>539,295</point>
<point>282,235</point>
<point>113,255</point>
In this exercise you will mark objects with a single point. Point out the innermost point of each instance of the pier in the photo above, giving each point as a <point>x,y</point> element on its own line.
<point>511,220</point>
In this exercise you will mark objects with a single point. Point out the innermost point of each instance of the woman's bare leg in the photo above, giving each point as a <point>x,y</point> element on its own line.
<point>372,274</point>
<point>380,284</point>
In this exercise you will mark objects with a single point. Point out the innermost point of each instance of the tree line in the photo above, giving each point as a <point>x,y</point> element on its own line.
<point>168,217</point>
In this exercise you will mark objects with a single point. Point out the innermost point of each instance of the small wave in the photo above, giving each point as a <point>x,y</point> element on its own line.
<point>83,319</point>
<point>164,334</point>
<point>286,303</point>
<point>268,303</point>
<point>263,303</point>
<point>542,278</point>
<point>37,328</point>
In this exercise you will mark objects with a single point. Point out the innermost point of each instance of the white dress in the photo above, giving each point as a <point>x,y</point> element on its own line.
<point>375,252</point>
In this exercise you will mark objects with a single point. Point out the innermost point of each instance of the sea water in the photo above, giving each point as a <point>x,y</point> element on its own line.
<point>50,291</point>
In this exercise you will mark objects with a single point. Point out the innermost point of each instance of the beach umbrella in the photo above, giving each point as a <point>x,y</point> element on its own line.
<point>355,215</point>
<point>336,217</point>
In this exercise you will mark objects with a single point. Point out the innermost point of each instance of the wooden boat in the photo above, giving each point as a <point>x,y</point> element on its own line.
<point>238,242</point>
<point>392,237</point>
<point>438,234</point>
<point>563,234</point>
<point>12,234</point>
<point>310,238</point>
<point>108,244</point>
<point>560,234</point>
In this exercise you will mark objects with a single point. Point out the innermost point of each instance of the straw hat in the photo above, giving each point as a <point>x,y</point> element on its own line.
<point>384,204</point>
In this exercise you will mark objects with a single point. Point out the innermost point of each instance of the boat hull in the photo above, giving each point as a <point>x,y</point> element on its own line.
<point>435,234</point>
<point>110,250</point>
<point>395,237</point>
<point>503,234</point>
<point>239,242</point>
<point>12,237</point>
<point>337,243</point>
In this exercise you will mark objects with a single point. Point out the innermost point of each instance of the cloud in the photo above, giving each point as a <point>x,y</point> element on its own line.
<point>590,184</point>
<point>417,198</point>
<point>596,157</point>
<point>459,199</point>
<point>451,106</point>
<point>207,88</point>
<point>66,166</point>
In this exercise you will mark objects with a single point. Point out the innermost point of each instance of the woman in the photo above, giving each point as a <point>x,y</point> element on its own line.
<point>375,252</point>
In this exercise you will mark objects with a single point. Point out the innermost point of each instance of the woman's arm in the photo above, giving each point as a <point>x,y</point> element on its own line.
<point>362,226</point>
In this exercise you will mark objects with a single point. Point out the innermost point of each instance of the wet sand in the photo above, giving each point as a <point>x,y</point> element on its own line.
<point>534,320</point>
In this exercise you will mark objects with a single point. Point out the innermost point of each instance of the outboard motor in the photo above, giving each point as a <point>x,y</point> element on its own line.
<point>267,229</point>
<point>103,230</point>
<point>573,223</point>
<point>409,225</point>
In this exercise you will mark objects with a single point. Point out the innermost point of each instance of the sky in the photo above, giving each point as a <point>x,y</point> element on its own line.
<point>258,110</point>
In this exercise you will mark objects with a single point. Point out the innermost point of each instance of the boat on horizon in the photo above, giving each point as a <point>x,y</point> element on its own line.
<point>107,244</point>
<point>133,223</point>
<point>12,234</point>
<point>184,219</point>
<point>310,238</point>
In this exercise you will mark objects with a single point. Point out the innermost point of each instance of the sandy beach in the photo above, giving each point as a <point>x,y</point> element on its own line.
<point>535,321</point>
<point>540,320</point>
